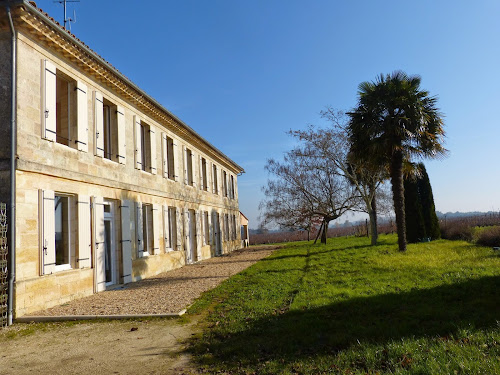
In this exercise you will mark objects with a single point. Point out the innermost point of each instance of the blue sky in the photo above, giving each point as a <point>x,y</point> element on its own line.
<point>242,73</point>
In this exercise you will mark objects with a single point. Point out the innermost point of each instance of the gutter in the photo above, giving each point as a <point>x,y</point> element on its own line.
<point>13,151</point>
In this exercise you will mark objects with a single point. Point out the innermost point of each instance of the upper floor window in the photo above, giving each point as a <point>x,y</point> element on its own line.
<point>215,181</point>
<point>169,151</point>
<point>145,146</point>
<point>109,129</point>
<point>224,183</point>
<point>65,109</point>
<point>203,174</point>
<point>231,187</point>
<point>188,166</point>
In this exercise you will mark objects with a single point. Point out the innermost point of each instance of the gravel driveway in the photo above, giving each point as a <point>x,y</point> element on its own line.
<point>169,292</point>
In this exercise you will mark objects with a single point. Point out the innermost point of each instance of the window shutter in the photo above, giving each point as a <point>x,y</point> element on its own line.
<point>176,160</point>
<point>49,115</point>
<point>202,228</point>
<point>178,218</point>
<point>137,141</point>
<point>99,124</point>
<point>184,160</point>
<point>84,232</point>
<point>209,176</point>
<point>210,240</point>
<point>82,123</point>
<point>164,155</point>
<point>194,170</point>
<point>152,149</point>
<point>99,250</point>
<point>48,238</point>
<point>187,234</point>
<point>156,228</point>
<point>200,161</point>
<point>199,234</point>
<point>139,229</point>
<point>126,241</point>
<point>120,118</point>
<point>165,228</point>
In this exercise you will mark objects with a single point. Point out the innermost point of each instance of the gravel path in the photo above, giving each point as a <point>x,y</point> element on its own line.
<point>169,292</point>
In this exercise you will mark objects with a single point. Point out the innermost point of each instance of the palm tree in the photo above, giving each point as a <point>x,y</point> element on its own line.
<point>395,121</point>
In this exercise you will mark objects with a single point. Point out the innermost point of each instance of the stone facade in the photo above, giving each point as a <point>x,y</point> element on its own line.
<point>110,187</point>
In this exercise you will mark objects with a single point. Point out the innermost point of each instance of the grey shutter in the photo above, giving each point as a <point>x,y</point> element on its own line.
<point>187,235</point>
<point>178,218</point>
<point>122,151</point>
<point>49,101</point>
<point>82,122</point>
<point>166,225</point>
<point>84,232</point>
<point>126,242</point>
<point>184,160</point>
<point>48,243</point>
<point>164,154</point>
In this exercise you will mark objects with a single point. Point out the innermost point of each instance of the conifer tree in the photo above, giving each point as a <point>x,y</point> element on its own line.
<point>427,202</point>
<point>414,219</point>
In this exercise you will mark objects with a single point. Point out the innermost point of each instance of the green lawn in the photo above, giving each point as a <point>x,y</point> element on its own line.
<point>349,308</point>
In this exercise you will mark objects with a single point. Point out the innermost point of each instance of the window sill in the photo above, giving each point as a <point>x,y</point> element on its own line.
<point>63,267</point>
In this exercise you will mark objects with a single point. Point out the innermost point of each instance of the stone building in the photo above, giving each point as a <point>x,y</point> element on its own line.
<point>108,186</point>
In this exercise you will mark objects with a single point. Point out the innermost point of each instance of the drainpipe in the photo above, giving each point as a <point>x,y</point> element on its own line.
<point>13,144</point>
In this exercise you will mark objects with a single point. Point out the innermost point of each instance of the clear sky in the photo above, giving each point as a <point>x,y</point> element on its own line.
<point>242,73</point>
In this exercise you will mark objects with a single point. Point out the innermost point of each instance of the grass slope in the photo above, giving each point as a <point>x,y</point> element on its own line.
<point>349,308</point>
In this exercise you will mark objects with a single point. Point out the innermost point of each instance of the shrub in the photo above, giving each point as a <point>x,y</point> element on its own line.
<point>489,237</point>
<point>457,231</point>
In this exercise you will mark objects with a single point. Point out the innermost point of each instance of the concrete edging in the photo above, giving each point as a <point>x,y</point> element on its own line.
<point>65,318</point>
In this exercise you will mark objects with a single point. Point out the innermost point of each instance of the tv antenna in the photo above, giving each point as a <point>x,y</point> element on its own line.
<point>68,19</point>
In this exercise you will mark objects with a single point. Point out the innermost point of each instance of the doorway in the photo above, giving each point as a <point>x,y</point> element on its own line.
<point>109,245</point>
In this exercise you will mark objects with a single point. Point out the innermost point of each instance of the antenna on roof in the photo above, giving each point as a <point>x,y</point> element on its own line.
<point>67,19</point>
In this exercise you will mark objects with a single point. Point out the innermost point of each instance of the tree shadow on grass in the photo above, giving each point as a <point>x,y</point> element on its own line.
<point>294,334</point>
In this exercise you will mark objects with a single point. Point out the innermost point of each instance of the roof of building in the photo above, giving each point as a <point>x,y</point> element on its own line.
<point>87,59</point>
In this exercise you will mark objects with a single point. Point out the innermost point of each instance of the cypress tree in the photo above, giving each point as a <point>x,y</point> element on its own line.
<point>414,219</point>
<point>427,202</point>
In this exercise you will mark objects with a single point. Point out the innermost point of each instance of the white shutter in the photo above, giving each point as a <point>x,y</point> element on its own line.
<point>82,124</point>
<point>99,124</point>
<point>165,228</point>
<point>49,100</point>
<point>156,228</point>
<point>176,160</point>
<point>194,170</point>
<point>84,232</point>
<point>164,155</point>
<point>48,243</point>
<point>199,234</point>
<point>202,228</point>
<point>184,160</point>
<point>152,149</point>
<point>126,242</point>
<point>139,229</point>
<point>99,249</point>
<point>120,118</point>
<point>209,177</point>
<point>187,234</point>
<point>201,172</point>
<point>138,143</point>
<point>178,218</point>
<point>210,240</point>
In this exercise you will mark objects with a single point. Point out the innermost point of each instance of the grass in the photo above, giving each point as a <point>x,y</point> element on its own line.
<point>349,308</point>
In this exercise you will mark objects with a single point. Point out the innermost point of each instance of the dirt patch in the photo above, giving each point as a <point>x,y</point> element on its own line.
<point>107,347</point>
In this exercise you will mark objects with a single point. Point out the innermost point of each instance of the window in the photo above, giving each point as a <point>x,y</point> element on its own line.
<point>203,174</point>
<point>206,228</point>
<point>215,180</point>
<point>231,187</point>
<point>169,148</point>
<point>147,229</point>
<point>170,228</point>
<point>224,183</point>
<point>65,231</point>
<point>188,166</point>
<point>65,109</point>
<point>233,227</point>
<point>226,227</point>
<point>106,128</point>
<point>145,146</point>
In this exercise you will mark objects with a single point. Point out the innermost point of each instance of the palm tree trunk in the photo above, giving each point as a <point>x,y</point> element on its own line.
<point>396,170</point>
<point>373,220</point>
